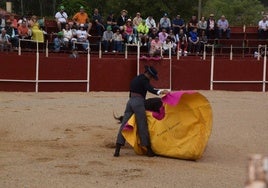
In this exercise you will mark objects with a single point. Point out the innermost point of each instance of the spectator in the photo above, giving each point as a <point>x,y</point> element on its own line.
<point>223,27</point>
<point>212,29</point>
<point>203,40</point>
<point>128,32</point>
<point>192,23</point>
<point>136,22</point>
<point>173,36</point>
<point>111,21</point>
<point>24,31</point>
<point>155,47</point>
<point>81,17</point>
<point>143,31</point>
<point>165,23</point>
<point>13,33</point>
<point>98,22</point>
<point>58,42</point>
<point>118,41</point>
<point>202,25</point>
<point>2,21</point>
<point>23,18</point>
<point>263,28</point>
<point>14,22</point>
<point>150,22</point>
<point>82,36</point>
<point>61,18</point>
<point>122,19</point>
<point>182,43</point>
<point>5,44</point>
<point>107,38</point>
<point>37,33</point>
<point>177,24</point>
<point>194,42</point>
<point>68,37</point>
<point>169,44</point>
<point>74,53</point>
<point>152,35</point>
<point>162,35</point>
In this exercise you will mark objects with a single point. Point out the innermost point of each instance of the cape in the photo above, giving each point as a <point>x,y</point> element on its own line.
<point>180,130</point>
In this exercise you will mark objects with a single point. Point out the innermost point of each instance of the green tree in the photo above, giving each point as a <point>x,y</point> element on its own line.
<point>238,12</point>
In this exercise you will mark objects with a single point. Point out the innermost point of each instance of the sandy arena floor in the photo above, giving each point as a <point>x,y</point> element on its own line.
<point>66,140</point>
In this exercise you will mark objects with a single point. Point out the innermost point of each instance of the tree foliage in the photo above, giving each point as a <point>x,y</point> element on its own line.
<point>238,12</point>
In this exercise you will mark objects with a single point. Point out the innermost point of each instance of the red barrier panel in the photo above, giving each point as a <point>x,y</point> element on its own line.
<point>113,73</point>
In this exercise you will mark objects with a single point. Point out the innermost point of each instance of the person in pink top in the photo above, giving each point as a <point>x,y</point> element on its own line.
<point>128,32</point>
<point>163,35</point>
<point>155,47</point>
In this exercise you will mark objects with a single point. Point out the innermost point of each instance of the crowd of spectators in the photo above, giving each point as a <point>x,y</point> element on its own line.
<point>177,34</point>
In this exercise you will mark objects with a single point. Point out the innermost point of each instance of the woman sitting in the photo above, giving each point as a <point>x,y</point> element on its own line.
<point>37,33</point>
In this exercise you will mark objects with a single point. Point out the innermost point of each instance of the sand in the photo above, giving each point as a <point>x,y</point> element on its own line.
<point>67,140</point>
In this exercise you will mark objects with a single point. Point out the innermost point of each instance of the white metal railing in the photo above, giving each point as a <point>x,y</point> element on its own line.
<point>37,81</point>
<point>87,80</point>
<point>263,81</point>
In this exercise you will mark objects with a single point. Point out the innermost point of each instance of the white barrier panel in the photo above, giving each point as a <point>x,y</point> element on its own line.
<point>37,81</point>
<point>263,81</point>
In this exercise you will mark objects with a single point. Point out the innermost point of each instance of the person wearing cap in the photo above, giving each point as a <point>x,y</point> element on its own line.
<point>122,19</point>
<point>58,42</point>
<point>165,23</point>
<point>136,22</point>
<point>107,38</point>
<point>81,17</point>
<point>139,86</point>
<point>129,32</point>
<point>61,18</point>
<point>212,30</point>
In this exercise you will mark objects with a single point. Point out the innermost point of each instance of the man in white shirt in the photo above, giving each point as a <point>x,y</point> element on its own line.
<point>150,22</point>
<point>82,36</point>
<point>165,23</point>
<point>263,28</point>
<point>61,18</point>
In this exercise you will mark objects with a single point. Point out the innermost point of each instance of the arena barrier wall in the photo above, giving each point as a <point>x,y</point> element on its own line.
<point>113,72</point>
